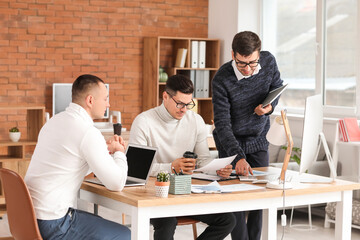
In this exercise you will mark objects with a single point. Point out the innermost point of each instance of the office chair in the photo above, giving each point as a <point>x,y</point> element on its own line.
<point>21,215</point>
<point>181,221</point>
<point>186,221</point>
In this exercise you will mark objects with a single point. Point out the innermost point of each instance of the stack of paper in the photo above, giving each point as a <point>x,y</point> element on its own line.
<point>349,130</point>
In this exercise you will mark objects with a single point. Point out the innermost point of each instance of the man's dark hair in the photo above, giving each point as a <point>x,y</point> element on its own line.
<point>82,85</point>
<point>245,43</point>
<point>179,83</point>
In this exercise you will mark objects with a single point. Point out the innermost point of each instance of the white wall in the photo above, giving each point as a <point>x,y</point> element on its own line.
<point>228,17</point>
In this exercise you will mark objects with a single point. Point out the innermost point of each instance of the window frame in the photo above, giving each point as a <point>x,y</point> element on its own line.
<point>320,58</point>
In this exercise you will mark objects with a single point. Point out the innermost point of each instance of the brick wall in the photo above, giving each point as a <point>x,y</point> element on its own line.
<point>52,41</point>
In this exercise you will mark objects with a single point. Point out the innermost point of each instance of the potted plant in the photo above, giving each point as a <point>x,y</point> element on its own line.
<point>14,134</point>
<point>162,184</point>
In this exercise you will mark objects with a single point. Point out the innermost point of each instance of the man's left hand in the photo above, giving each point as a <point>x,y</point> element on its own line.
<point>225,172</point>
<point>260,110</point>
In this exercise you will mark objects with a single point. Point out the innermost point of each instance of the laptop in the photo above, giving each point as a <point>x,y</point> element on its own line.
<point>139,159</point>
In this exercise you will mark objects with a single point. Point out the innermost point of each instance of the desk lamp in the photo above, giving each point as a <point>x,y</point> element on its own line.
<point>279,133</point>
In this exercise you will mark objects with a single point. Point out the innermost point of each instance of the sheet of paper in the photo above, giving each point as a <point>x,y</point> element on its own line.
<point>256,173</point>
<point>215,187</point>
<point>205,189</point>
<point>215,164</point>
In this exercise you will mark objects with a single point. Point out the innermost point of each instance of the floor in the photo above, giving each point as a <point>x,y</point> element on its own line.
<point>300,231</point>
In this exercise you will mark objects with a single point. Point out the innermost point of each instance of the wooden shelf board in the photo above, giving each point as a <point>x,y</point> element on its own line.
<point>20,143</point>
<point>9,159</point>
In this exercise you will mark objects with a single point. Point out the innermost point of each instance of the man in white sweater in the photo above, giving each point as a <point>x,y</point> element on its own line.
<point>69,147</point>
<point>174,130</point>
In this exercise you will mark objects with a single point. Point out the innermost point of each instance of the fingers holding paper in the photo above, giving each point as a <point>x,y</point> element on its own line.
<point>225,172</point>
<point>243,168</point>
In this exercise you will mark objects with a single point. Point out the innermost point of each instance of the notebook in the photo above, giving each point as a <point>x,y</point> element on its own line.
<point>139,159</point>
<point>273,95</point>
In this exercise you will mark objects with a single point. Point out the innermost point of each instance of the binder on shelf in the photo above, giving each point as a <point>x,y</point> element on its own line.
<point>181,57</point>
<point>192,78</point>
<point>194,54</point>
<point>199,84</point>
<point>202,54</point>
<point>206,76</point>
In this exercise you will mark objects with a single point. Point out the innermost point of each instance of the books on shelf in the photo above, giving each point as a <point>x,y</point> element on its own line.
<point>181,57</point>
<point>349,130</point>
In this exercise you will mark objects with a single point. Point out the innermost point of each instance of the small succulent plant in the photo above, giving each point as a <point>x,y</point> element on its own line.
<point>14,129</point>
<point>163,176</point>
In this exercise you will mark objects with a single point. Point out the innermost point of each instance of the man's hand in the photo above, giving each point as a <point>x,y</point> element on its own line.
<point>260,110</point>
<point>116,143</point>
<point>243,168</point>
<point>225,172</point>
<point>187,165</point>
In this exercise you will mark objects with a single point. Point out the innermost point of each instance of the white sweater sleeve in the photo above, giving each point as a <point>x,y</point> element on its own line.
<point>112,171</point>
<point>139,134</point>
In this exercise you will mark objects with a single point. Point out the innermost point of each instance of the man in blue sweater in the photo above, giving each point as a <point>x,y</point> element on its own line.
<point>241,122</point>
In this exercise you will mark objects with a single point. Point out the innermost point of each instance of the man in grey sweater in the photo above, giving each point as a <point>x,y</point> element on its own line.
<point>241,122</point>
<point>174,130</point>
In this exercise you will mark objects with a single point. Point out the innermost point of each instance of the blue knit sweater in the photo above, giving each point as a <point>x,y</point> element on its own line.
<point>237,130</point>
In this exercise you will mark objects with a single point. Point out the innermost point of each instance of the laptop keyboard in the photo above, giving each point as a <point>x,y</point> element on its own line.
<point>131,182</point>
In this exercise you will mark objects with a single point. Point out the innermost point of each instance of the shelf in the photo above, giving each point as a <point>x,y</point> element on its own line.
<point>20,143</point>
<point>16,156</point>
<point>162,51</point>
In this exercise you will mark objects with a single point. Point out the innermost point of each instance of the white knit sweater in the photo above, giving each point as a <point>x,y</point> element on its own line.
<point>157,128</point>
<point>68,147</point>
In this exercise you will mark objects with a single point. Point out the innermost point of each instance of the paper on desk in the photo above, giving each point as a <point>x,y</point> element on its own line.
<point>256,173</point>
<point>215,187</point>
<point>215,164</point>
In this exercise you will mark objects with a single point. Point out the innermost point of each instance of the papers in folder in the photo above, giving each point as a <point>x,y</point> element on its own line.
<point>208,172</point>
<point>215,187</point>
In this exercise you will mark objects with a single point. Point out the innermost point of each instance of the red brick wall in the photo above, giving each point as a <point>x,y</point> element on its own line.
<point>49,41</point>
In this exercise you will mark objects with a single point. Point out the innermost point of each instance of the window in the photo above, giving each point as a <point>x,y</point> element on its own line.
<point>340,52</point>
<point>315,50</point>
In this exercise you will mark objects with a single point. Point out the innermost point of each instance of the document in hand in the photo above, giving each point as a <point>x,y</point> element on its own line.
<point>273,95</point>
<point>208,172</point>
<point>215,164</point>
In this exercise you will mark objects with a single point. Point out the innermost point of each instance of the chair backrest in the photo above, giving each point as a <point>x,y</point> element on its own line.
<point>19,207</point>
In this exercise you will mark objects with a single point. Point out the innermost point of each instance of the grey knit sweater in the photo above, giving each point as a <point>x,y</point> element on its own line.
<point>237,129</point>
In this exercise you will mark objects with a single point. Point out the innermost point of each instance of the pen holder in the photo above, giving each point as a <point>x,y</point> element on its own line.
<point>180,184</point>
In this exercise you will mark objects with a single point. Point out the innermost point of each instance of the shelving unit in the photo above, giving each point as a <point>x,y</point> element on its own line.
<point>17,155</point>
<point>162,51</point>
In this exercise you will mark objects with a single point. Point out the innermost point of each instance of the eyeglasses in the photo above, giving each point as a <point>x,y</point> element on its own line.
<point>244,64</point>
<point>181,105</point>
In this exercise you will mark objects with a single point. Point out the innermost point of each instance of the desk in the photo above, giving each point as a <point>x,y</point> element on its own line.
<point>141,204</point>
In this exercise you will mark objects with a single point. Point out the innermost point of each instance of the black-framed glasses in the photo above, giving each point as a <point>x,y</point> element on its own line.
<point>244,64</point>
<point>181,105</point>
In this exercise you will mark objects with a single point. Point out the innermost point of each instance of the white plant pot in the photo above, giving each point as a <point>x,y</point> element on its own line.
<point>15,136</point>
<point>162,191</point>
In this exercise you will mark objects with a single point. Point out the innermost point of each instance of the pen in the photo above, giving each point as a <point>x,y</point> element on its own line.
<point>181,172</point>
<point>174,171</point>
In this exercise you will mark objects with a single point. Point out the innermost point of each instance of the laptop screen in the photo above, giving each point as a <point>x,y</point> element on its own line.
<point>139,159</point>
